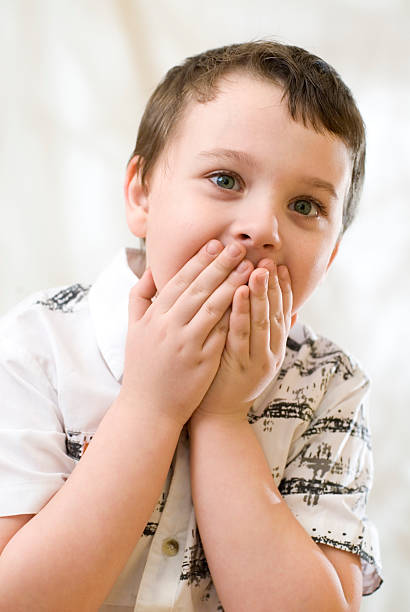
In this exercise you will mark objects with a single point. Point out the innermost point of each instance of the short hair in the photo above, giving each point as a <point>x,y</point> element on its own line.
<point>314,92</point>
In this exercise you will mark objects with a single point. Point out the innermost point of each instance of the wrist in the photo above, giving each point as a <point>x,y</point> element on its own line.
<point>229,421</point>
<point>148,414</point>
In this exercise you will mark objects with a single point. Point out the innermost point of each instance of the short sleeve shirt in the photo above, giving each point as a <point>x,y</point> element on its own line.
<point>61,364</point>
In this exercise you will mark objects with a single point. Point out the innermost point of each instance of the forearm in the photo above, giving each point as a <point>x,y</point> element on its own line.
<point>70,554</point>
<point>259,556</point>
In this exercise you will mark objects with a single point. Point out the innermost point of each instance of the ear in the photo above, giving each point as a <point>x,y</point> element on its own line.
<point>136,199</point>
<point>333,255</point>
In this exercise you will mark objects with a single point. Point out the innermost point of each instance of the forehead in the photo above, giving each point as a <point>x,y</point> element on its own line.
<point>249,114</point>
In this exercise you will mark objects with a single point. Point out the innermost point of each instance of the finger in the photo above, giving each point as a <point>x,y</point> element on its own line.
<point>259,318</point>
<point>140,296</point>
<point>238,338</point>
<point>202,287</point>
<point>287,297</point>
<point>217,303</point>
<point>187,274</point>
<point>276,318</point>
<point>215,342</point>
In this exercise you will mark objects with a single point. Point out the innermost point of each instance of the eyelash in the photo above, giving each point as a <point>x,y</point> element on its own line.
<point>322,211</point>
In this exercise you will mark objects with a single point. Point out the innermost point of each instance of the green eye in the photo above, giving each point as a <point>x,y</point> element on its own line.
<point>305,207</point>
<point>225,181</point>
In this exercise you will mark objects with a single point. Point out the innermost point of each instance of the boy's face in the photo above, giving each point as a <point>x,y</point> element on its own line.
<point>238,168</point>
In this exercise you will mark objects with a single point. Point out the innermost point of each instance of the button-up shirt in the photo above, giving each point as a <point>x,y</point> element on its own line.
<point>61,365</point>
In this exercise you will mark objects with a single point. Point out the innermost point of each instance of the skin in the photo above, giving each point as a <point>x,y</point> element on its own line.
<point>279,199</point>
<point>184,208</point>
<point>220,328</point>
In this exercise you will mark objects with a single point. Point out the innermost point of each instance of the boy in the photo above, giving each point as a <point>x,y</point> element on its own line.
<point>247,170</point>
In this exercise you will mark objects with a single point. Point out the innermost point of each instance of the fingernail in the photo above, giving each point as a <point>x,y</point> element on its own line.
<point>263,276</point>
<point>266,278</point>
<point>213,247</point>
<point>242,266</point>
<point>234,250</point>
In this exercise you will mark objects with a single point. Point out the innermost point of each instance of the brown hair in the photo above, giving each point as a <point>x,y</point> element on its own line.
<point>315,94</point>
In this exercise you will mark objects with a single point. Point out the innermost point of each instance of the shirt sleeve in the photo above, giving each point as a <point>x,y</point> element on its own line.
<point>33,459</point>
<point>329,474</point>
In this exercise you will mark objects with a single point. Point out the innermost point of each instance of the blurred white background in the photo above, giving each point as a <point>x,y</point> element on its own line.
<point>75,75</point>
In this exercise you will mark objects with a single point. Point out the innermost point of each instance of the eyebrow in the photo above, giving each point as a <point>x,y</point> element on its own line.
<point>243,157</point>
<point>229,155</point>
<point>320,184</point>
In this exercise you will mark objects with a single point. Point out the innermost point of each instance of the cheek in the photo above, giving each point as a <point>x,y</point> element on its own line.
<point>306,274</point>
<point>179,223</point>
<point>165,257</point>
<point>169,248</point>
<point>168,245</point>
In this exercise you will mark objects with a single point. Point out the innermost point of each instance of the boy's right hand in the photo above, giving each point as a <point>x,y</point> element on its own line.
<point>174,344</point>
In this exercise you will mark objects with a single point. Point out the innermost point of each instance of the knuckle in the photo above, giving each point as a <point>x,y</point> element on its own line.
<point>197,289</point>
<point>162,335</point>
<point>265,367</point>
<point>243,334</point>
<point>233,282</point>
<point>234,278</point>
<point>223,328</point>
<point>277,319</point>
<point>182,346</point>
<point>222,264</point>
<point>180,280</point>
<point>148,315</point>
<point>262,324</point>
<point>273,282</point>
<point>210,309</point>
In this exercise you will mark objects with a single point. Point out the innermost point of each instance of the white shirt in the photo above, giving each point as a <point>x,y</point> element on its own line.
<point>61,364</point>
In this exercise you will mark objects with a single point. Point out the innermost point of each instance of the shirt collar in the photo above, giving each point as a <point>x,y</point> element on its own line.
<point>108,301</point>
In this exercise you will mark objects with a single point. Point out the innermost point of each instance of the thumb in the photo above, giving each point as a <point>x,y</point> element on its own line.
<point>141,295</point>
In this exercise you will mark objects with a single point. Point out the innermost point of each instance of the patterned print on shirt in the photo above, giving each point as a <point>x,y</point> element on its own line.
<point>345,545</point>
<point>282,410</point>
<point>194,566</point>
<point>355,427</point>
<point>152,525</point>
<point>313,489</point>
<point>320,461</point>
<point>195,569</point>
<point>317,362</point>
<point>76,443</point>
<point>66,299</point>
<point>150,529</point>
<point>322,353</point>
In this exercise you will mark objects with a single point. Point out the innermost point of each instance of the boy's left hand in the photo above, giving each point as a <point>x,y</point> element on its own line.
<point>259,325</point>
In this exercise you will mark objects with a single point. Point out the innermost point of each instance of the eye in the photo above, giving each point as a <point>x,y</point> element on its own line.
<point>306,207</point>
<point>229,182</point>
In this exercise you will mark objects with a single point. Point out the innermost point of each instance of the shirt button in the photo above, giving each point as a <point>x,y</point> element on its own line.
<point>170,547</point>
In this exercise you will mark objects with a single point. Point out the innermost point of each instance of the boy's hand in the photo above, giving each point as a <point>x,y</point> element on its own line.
<point>174,343</point>
<point>259,325</point>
